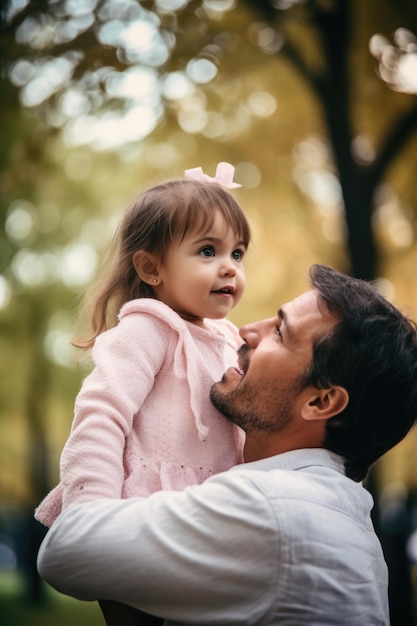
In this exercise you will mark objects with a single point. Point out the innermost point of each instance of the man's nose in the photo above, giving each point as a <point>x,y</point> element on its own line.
<point>252,334</point>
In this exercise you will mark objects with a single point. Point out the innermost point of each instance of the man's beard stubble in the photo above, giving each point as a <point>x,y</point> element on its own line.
<point>254,409</point>
<point>225,402</point>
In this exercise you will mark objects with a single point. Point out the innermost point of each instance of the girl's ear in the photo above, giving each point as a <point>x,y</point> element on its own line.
<point>147,267</point>
<point>325,403</point>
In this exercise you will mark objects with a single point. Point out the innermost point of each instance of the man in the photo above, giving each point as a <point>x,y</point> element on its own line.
<point>322,390</point>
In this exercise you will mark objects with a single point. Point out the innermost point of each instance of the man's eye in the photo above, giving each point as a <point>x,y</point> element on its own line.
<point>207,251</point>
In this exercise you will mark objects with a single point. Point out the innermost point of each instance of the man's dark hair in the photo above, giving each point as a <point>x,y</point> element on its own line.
<point>372,353</point>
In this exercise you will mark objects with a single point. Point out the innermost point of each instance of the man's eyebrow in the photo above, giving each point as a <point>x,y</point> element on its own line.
<point>287,326</point>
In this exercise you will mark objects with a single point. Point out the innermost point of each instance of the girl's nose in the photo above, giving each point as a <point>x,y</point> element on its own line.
<point>227,268</point>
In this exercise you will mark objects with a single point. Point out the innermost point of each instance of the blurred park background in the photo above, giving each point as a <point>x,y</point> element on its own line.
<point>313,101</point>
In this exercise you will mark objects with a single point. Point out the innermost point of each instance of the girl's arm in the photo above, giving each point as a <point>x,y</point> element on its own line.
<point>126,360</point>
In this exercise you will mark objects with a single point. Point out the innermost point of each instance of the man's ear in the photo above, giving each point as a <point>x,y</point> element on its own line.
<point>325,403</point>
<point>147,266</point>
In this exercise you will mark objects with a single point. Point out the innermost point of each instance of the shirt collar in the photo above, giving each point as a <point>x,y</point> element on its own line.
<point>297,459</point>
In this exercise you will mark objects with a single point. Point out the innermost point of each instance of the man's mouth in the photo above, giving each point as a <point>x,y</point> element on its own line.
<point>240,368</point>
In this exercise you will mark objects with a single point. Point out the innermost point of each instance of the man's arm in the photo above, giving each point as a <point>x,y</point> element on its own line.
<point>206,555</point>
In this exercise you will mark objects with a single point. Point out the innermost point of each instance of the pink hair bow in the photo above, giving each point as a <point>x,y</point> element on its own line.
<point>224,175</point>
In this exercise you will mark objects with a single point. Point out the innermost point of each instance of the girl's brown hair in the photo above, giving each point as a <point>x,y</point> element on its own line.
<point>163,214</point>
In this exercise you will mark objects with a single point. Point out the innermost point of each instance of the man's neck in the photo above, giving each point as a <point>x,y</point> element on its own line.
<point>262,444</point>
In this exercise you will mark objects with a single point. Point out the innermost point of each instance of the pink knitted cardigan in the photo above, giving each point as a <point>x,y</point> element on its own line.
<point>143,417</point>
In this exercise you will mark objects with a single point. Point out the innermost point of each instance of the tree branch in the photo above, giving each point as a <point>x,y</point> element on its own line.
<point>394,142</point>
<point>265,9</point>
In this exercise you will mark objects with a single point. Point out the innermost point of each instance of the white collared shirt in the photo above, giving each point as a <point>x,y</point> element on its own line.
<point>284,541</point>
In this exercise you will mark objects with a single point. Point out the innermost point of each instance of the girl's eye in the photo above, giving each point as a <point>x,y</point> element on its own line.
<point>207,251</point>
<point>278,332</point>
<point>237,255</point>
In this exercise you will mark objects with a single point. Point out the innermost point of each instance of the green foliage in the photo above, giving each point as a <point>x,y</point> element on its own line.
<point>56,610</point>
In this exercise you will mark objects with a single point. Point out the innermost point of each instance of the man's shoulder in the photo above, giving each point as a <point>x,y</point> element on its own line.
<point>294,468</point>
<point>294,480</point>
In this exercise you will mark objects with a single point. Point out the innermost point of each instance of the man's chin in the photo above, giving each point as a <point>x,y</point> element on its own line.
<point>221,396</point>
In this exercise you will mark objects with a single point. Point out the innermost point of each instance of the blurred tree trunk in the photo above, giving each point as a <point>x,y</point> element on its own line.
<point>332,23</point>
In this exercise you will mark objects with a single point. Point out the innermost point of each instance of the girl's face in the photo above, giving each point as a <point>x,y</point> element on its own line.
<point>203,276</point>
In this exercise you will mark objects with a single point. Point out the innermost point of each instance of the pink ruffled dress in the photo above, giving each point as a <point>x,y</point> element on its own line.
<point>143,418</point>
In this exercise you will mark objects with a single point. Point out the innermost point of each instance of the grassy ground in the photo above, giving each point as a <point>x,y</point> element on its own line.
<point>57,610</point>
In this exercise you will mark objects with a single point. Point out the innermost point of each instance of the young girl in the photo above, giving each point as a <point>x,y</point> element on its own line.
<point>143,418</point>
